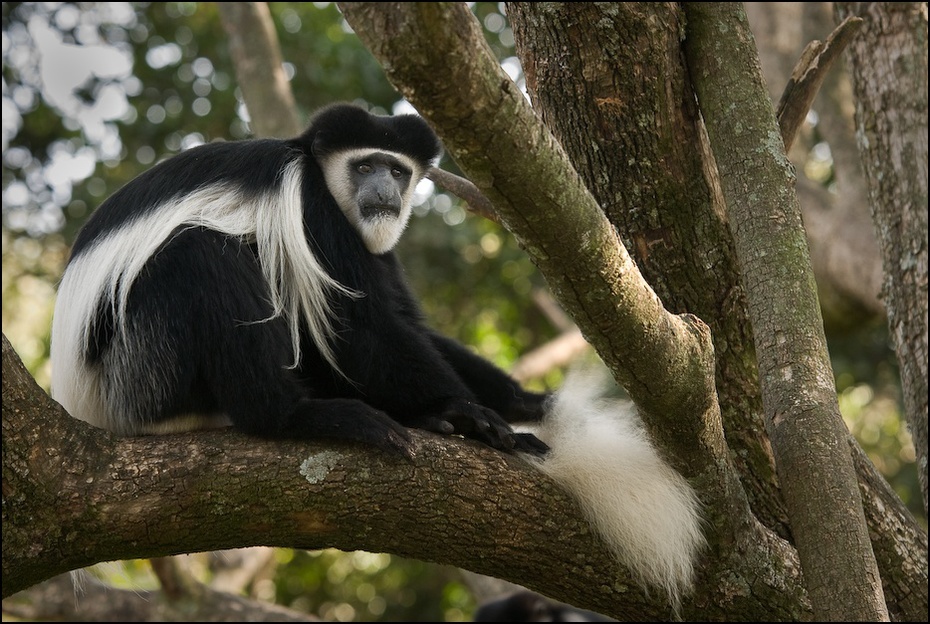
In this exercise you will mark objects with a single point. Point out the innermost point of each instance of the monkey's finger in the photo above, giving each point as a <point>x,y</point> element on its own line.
<point>528,443</point>
<point>434,424</point>
<point>501,438</point>
<point>465,418</point>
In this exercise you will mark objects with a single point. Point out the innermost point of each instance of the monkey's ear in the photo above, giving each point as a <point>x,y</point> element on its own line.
<point>319,146</point>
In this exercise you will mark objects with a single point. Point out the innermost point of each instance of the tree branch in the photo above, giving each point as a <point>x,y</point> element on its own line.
<point>65,485</point>
<point>889,67</point>
<point>802,415</point>
<point>559,351</point>
<point>507,152</point>
<point>75,495</point>
<point>843,245</point>
<point>253,45</point>
<point>808,76</point>
<point>465,190</point>
<point>60,599</point>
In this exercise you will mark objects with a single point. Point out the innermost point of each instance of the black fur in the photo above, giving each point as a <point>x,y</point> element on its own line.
<point>338,127</point>
<point>525,606</point>
<point>201,303</point>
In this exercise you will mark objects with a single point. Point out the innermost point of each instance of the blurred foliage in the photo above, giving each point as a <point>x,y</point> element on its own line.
<point>869,392</point>
<point>95,93</point>
<point>157,78</point>
<point>30,271</point>
<point>367,587</point>
<point>333,585</point>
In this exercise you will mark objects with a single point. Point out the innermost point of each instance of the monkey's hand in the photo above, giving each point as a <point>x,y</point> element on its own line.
<point>349,420</point>
<point>469,419</point>
<point>380,430</point>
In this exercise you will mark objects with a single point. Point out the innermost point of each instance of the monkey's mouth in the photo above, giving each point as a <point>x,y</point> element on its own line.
<point>375,212</point>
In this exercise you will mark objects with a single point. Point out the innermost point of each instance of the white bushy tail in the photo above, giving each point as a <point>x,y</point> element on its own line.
<point>644,510</point>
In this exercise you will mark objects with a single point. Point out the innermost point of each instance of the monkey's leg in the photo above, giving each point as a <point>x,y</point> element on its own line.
<point>204,297</point>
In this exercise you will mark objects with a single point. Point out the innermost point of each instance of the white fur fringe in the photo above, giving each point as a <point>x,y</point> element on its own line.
<point>645,511</point>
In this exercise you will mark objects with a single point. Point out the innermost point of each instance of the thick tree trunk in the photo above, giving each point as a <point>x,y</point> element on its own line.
<point>844,249</point>
<point>653,182</point>
<point>889,66</point>
<point>502,146</point>
<point>474,111</point>
<point>801,410</point>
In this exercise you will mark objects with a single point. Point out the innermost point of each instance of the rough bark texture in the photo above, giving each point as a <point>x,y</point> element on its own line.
<point>847,264</point>
<point>802,416</point>
<point>640,157</point>
<point>898,541</point>
<point>844,249</point>
<point>562,46</point>
<point>808,75</point>
<point>74,496</point>
<point>889,68</point>
<point>559,223</point>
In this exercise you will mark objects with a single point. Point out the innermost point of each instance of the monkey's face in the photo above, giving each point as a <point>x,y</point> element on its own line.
<point>374,189</point>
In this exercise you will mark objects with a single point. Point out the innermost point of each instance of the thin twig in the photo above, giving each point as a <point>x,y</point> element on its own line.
<point>465,190</point>
<point>808,76</point>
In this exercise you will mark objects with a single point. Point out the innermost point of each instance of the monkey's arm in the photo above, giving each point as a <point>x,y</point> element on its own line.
<point>396,368</point>
<point>387,353</point>
<point>493,387</point>
<point>490,386</point>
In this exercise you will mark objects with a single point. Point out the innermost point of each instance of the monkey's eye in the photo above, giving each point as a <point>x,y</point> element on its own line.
<point>364,168</point>
<point>397,173</point>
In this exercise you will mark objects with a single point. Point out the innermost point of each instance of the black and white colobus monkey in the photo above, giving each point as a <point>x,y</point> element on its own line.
<point>252,283</point>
